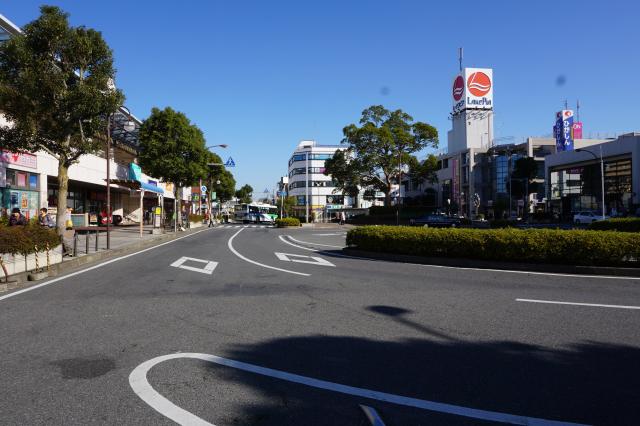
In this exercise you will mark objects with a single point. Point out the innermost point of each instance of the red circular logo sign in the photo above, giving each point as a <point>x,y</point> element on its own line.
<point>458,88</point>
<point>479,84</point>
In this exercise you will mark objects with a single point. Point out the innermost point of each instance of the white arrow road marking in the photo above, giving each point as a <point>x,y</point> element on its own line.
<point>209,266</point>
<point>140,385</point>
<point>246,259</point>
<point>300,258</point>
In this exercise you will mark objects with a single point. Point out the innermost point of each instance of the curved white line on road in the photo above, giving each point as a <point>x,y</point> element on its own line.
<point>146,392</point>
<point>595,305</point>
<point>246,259</point>
<point>100,265</point>
<point>346,256</point>
<point>314,244</point>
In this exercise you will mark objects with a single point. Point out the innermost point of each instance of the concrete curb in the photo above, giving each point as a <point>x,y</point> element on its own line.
<point>74,264</point>
<point>488,264</point>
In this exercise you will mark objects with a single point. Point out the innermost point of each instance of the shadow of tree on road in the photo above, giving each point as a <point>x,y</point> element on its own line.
<point>589,382</point>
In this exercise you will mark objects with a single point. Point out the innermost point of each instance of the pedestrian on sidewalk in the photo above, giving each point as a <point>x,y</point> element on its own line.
<point>45,219</point>
<point>17,218</point>
<point>342,218</point>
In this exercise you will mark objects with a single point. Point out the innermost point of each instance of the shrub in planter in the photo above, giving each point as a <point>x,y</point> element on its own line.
<point>24,239</point>
<point>516,245</point>
<point>625,224</point>
<point>287,221</point>
<point>196,218</point>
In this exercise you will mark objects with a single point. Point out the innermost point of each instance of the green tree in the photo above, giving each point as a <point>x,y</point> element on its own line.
<point>384,140</point>
<point>425,170</point>
<point>289,205</point>
<point>54,89</point>
<point>172,149</point>
<point>345,174</point>
<point>524,171</point>
<point>244,194</point>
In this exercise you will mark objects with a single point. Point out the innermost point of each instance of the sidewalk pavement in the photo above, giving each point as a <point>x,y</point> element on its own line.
<point>124,240</point>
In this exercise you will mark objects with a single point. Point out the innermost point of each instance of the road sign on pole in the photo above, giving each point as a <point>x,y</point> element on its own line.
<point>203,189</point>
<point>230,163</point>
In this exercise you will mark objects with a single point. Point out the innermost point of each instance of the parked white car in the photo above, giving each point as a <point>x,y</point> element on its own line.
<point>587,217</point>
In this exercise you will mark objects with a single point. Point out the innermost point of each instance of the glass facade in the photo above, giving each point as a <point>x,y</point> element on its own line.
<point>580,188</point>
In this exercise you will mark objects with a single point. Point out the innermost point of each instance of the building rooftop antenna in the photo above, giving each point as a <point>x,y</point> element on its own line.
<point>460,52</point>
<point>578,110</point>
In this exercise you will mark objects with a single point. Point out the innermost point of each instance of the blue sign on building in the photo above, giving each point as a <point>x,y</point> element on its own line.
<point>563,130</point>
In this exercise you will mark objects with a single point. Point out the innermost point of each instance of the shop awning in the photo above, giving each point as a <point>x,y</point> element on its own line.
<point>137,185</point>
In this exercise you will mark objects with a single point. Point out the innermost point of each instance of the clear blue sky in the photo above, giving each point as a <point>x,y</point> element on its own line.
<point>262,75</point>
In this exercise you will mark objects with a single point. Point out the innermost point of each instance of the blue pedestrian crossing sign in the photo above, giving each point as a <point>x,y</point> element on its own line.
<point>230,163</point>
<point>203,189</point>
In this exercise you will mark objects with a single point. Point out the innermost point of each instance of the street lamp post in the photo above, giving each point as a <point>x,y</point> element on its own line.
<point>210,200</point>
<point>108,155</point>
<point>601,174</point>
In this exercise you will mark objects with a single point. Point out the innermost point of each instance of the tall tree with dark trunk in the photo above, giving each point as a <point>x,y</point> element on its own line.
<point>173,149</point>
<point>55,93</point>
<point>383,142</point>
<point>244,194</point>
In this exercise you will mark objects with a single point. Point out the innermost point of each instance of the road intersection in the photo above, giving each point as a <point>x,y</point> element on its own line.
<point>288,301</point>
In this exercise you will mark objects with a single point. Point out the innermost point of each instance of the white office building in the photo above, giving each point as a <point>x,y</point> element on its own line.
<point>315,193</point>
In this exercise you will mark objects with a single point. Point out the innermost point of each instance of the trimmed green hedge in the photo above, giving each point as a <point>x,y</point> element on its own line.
<point>24,239</point>
<point>532,245</point>
<point>287,221</point>
<point>624,224</point>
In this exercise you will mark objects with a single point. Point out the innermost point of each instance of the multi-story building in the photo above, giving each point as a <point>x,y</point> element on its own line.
<point>475,174</point>
<point>314,191</point>
<point>28,181</point>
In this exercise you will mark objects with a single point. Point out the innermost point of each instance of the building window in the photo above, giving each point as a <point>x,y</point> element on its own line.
<point>22,180</point>
<point>301,200</point>
<point>335,199</point>
<point>445,163</point>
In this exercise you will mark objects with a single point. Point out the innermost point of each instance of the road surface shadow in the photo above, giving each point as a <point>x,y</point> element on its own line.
<point>588,382</point>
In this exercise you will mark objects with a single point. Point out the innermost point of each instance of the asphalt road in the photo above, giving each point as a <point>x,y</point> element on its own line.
<point>306,336</point>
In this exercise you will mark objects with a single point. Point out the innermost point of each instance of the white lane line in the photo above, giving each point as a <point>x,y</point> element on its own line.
<point>281,237</point>
<point>372,415</point>
<point>234,251</point>
<point>141,386</point>
<point>597,305</point>
<point>314,244</point>
<point>100,265</point>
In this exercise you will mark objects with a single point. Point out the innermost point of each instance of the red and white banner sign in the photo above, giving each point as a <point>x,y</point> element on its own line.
<point>19,159</point>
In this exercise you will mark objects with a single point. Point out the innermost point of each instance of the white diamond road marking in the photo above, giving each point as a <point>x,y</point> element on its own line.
<point>208,268</point>
<point>313,260</point>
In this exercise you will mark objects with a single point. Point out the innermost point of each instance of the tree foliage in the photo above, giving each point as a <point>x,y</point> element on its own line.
<point>172,149</point>
<point>54,90</point>
<point>345,173</point>
<point>383,141</point>
<point>244,194</point>
<point>524,171</point>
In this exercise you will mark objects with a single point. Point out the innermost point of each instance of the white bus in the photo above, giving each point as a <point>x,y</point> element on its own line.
<point>241,210</point>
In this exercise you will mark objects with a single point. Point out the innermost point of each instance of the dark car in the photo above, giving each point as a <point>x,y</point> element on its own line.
<point>436,221</point>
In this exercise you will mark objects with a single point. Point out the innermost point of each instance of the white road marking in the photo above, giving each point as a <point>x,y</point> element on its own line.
<point>597,305</point>
<point>314,244</point>
<point>234,251</point>
<point>610,277</point>
<point>372,415</point>
<point>141,386</point>
<point>209,266</point>
<point>91,268</point>
<point>303,259</point>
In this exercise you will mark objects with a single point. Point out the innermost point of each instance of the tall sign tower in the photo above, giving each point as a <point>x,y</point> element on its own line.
<point>472,115</point>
